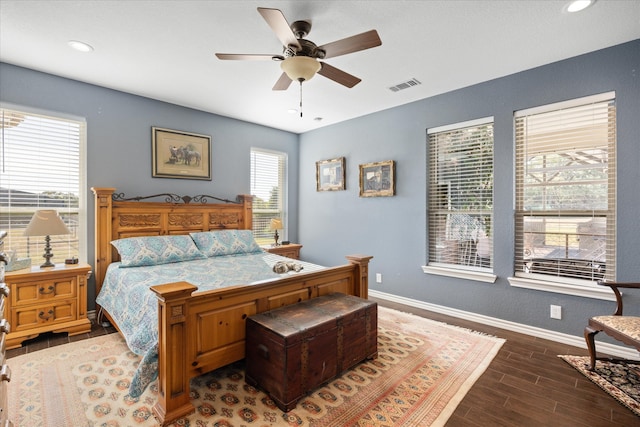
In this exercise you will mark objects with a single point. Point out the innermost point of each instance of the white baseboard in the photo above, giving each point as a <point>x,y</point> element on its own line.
<point>602,347</point>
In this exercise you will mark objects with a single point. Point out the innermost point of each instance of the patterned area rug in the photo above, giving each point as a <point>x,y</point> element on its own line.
<point>620,379</point>
<point>423,371</point>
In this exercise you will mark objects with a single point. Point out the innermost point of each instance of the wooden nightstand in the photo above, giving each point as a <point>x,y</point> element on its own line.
<point>292,250</point>
<point>47,299</point>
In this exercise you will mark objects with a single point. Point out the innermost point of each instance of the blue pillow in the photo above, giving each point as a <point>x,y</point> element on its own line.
<point>226,242</point>
<point>156,250</point>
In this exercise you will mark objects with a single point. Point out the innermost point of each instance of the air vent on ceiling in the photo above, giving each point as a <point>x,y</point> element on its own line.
<point>405,85</point>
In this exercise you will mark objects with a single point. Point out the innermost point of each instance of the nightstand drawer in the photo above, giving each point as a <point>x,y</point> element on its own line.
<point>39,291</point>
<point>50,299</point>
<point>291,253</point>
<point>32,316</point>
<point>291,250</point>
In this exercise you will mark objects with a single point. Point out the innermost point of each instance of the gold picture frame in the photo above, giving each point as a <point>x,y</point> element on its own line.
<point>378,179</point>
<point>178,154</point>
<point>330,175</point>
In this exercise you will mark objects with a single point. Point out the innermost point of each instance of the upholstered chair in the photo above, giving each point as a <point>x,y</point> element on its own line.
<point>621,327</point>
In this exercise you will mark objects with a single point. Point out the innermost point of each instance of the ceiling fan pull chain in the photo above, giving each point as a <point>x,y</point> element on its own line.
<point>300,98</point>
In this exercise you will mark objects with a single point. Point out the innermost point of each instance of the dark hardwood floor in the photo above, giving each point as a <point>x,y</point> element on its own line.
<point>51,339</point>
<point>528,385</point>
<point>525,385</point>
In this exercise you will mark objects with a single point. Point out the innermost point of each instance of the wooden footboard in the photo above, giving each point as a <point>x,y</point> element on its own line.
<point>200,332</point>
<point>203,331</point>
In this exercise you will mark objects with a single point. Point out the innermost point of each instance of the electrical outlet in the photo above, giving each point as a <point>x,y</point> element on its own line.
<point>556,312</point>
<point>378,277</point>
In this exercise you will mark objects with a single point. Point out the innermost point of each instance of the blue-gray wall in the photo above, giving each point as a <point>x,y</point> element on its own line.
<point>119,140</point>
<point>393,229</point>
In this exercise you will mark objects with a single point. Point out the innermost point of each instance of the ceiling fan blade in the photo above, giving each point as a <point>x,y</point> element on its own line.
<point>351,44</point>
<point>280,26</point>
<point>338,75</point>
<point>283,82</point>
<point>246,57</point>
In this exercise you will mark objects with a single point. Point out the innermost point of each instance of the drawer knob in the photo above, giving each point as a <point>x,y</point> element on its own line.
<point>48,316</point>
<point>5,373</point>
<point>5,326</point>
<point>49,290</point>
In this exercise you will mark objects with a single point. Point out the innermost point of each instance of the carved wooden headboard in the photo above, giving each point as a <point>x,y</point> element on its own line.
<point>117,217</point>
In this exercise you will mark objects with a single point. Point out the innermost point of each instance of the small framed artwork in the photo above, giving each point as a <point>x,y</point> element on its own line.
<point>378,179</point>
<point>330,175</point>
<point>178,154</point>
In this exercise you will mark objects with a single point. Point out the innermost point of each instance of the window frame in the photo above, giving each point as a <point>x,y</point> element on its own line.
<point>36,244</point>
<point>266,238</point>
<point>458,270</point>
<point>563,284</point>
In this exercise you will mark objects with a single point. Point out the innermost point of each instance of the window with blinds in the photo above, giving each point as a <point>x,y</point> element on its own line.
<point>268,188</point>
<point>460,195</point>
<point>566,190</point>
<point>41,168</point>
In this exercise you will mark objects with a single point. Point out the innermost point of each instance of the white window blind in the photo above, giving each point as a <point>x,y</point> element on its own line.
<point>566,190</point>
<point>41,168</point>
<point>460,195</point>
<point>268,187</point>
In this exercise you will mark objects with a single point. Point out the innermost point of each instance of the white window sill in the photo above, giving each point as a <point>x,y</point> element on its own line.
<point>587,290</point>
<point>442,270</point>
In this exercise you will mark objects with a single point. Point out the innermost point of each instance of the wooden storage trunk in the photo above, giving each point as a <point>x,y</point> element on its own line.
<point>292,350</point>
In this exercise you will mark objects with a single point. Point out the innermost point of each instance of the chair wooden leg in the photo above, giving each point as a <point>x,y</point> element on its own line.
<point>589,336</point>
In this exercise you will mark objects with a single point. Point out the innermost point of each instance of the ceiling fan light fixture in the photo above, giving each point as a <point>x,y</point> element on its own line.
<point>300,68</point>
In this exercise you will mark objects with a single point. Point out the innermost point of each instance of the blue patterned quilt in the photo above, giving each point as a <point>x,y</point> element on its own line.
<point>126,296</point>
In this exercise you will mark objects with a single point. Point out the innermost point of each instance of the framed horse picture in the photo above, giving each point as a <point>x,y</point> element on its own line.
<point>178,154</point>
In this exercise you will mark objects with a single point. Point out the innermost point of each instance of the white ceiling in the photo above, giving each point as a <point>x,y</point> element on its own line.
<point>165,49</point>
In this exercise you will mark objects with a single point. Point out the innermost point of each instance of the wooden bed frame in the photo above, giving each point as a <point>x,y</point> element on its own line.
<point>203,331</point>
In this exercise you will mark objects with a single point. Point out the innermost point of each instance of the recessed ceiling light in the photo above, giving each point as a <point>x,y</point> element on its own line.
<point>80,46</point>
<point>292,111</point>
<point>578,5</point>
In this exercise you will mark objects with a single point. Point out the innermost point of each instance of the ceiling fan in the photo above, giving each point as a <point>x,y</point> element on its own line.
<point>300,58</point>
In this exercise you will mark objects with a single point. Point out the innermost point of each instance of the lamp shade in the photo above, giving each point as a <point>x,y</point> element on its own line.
<point>300,68</point>
<point>276,224</point>
<point>46,222</point>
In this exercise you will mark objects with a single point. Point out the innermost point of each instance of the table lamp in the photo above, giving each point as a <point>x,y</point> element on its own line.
<point>47,223</point>
<point>276,223</point>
